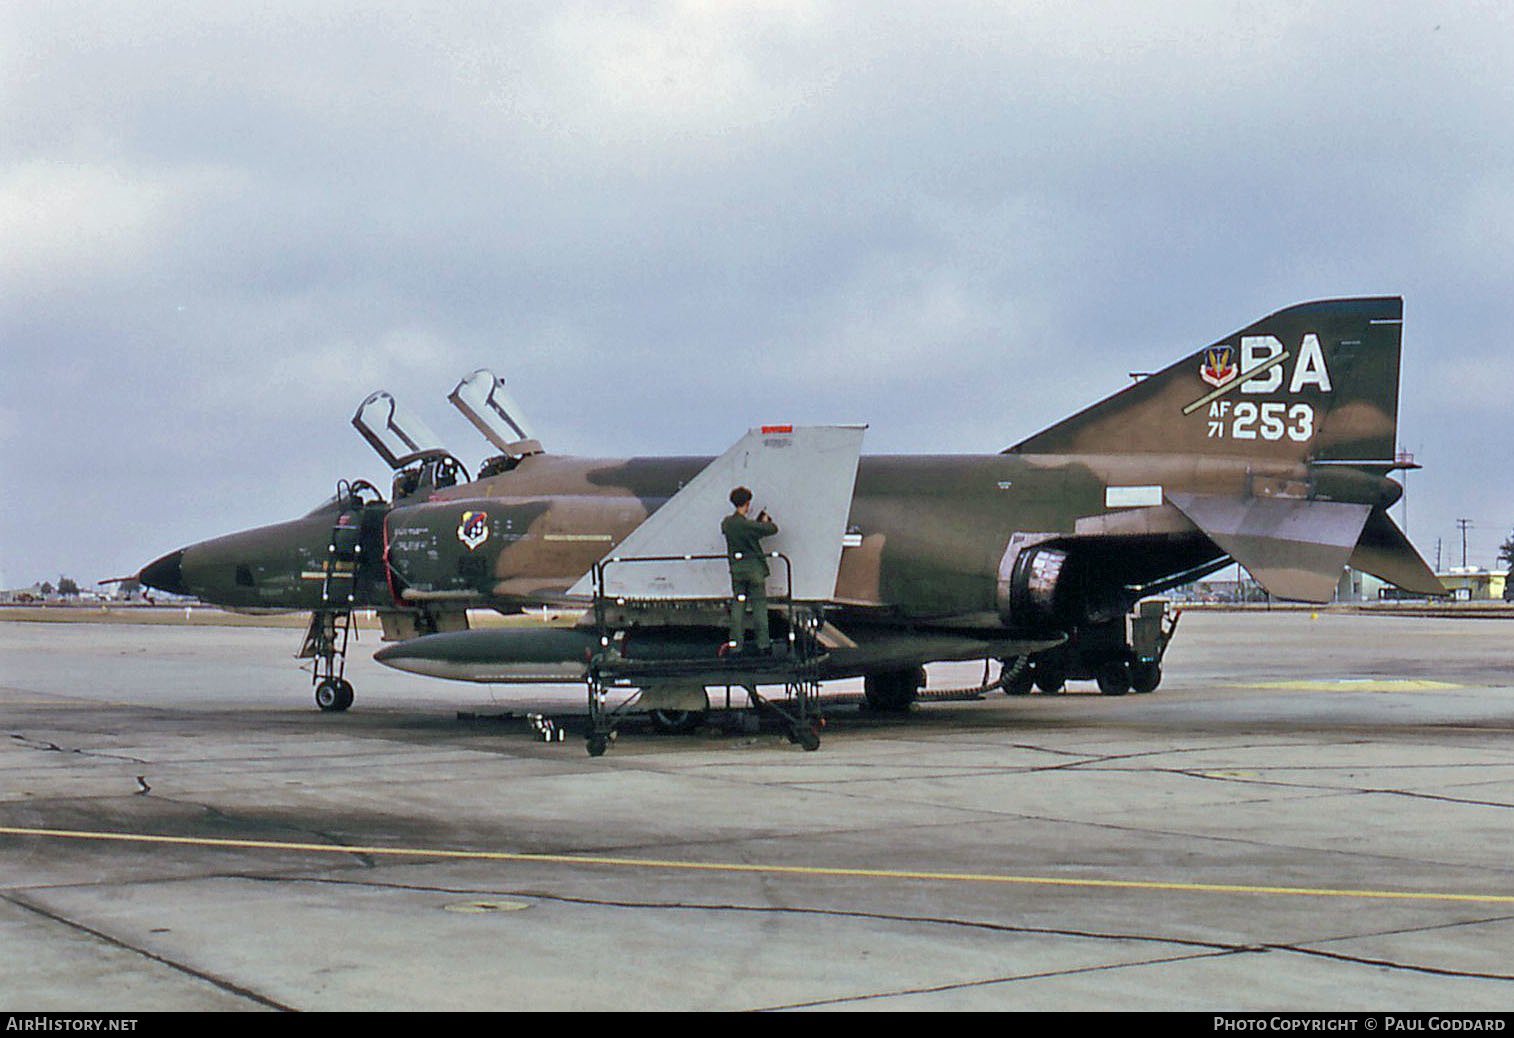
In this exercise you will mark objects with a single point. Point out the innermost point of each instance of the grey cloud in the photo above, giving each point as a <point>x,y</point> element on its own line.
<point>222,227</point>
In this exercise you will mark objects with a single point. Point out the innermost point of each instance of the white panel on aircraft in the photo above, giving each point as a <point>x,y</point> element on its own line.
<point>803,476</point>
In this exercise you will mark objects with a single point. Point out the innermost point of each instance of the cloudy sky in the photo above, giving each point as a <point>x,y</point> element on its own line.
<point>222,225</point>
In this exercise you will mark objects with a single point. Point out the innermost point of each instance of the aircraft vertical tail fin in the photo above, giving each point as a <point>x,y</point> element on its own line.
<point>1314,382</point>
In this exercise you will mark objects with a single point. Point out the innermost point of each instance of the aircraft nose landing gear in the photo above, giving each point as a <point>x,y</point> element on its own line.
<point>331,627</point>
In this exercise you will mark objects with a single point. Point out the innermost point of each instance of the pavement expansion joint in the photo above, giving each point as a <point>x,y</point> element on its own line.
<point>1389,963</point>
<point>116,942</point>
<point>1010,979</point>
<point>45,746</point>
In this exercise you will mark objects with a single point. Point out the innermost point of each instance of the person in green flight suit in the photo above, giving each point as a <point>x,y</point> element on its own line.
<point>749,570</point>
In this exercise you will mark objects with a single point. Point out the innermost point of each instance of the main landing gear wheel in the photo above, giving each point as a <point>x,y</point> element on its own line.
<point>1051,676</point>
<point>598,744</point>
<point>1145,676</point>
<point>333,695</point>
<point>1113,678</point>
<point>1017,682</point>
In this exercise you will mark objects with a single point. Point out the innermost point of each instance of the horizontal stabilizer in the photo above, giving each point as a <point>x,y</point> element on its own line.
<point>803,475</point>
<point>1385,552</point>
<point>1294,548</point>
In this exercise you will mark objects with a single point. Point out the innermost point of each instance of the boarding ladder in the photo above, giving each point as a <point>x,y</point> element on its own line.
<point>331,622</point>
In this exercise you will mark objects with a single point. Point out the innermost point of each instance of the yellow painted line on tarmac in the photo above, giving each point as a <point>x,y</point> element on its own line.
<point>1353,685</point>
<point>731,867</point>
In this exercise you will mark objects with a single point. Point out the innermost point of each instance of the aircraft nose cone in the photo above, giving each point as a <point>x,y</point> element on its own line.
<point>166,574</point>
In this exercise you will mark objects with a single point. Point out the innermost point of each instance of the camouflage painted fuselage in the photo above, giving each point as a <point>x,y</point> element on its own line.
<point>1270,447</point>
<point>933,530</point>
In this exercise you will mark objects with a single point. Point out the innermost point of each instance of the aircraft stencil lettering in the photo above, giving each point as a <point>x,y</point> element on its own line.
<point>1263,368</point>
<point>1034,556</point>
<point>1263,353</point>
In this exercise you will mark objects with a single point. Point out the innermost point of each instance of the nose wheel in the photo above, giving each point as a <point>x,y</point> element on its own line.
<point>333,695</point>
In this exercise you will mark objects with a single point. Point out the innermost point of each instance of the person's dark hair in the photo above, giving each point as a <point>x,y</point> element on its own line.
<point>740,496</point>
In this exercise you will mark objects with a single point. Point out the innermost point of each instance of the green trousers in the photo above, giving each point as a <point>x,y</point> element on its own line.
<point>750,592</point>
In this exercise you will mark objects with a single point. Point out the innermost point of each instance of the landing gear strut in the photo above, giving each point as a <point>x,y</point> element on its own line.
<point>331,625</point>
<point>326,645</point>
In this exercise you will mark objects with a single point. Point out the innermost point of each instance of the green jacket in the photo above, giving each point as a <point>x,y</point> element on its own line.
<point>742,543</point>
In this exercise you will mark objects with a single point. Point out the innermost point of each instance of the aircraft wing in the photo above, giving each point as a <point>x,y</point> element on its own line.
<point>802,475</point>
<point>1294,548</point>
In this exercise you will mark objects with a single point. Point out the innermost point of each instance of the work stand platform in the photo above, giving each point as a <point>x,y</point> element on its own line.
<point>650,645</point>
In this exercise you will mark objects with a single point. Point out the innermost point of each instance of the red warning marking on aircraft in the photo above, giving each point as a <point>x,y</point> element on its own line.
<point>767,429</point>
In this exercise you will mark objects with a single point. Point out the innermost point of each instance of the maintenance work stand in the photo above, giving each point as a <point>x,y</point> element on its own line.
<point>661,602</point>
<point>650,645</point>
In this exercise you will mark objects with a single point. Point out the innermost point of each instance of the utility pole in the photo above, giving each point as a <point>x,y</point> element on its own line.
<point>1437,554</point>
<point>1462,525</point>
<point>1405,461</point>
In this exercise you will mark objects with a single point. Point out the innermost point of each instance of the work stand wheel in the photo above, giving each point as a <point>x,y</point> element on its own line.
<point>333,695</point>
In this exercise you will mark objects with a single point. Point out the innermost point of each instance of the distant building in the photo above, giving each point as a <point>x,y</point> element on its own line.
<point>1475,584</point>
<point>1356,586</point>
<point>1466,584</point>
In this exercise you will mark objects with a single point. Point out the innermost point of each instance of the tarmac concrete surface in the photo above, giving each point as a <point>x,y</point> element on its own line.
<point>1312,813</point>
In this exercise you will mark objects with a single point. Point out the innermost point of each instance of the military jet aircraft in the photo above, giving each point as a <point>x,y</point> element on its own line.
<point>1270,448</point>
